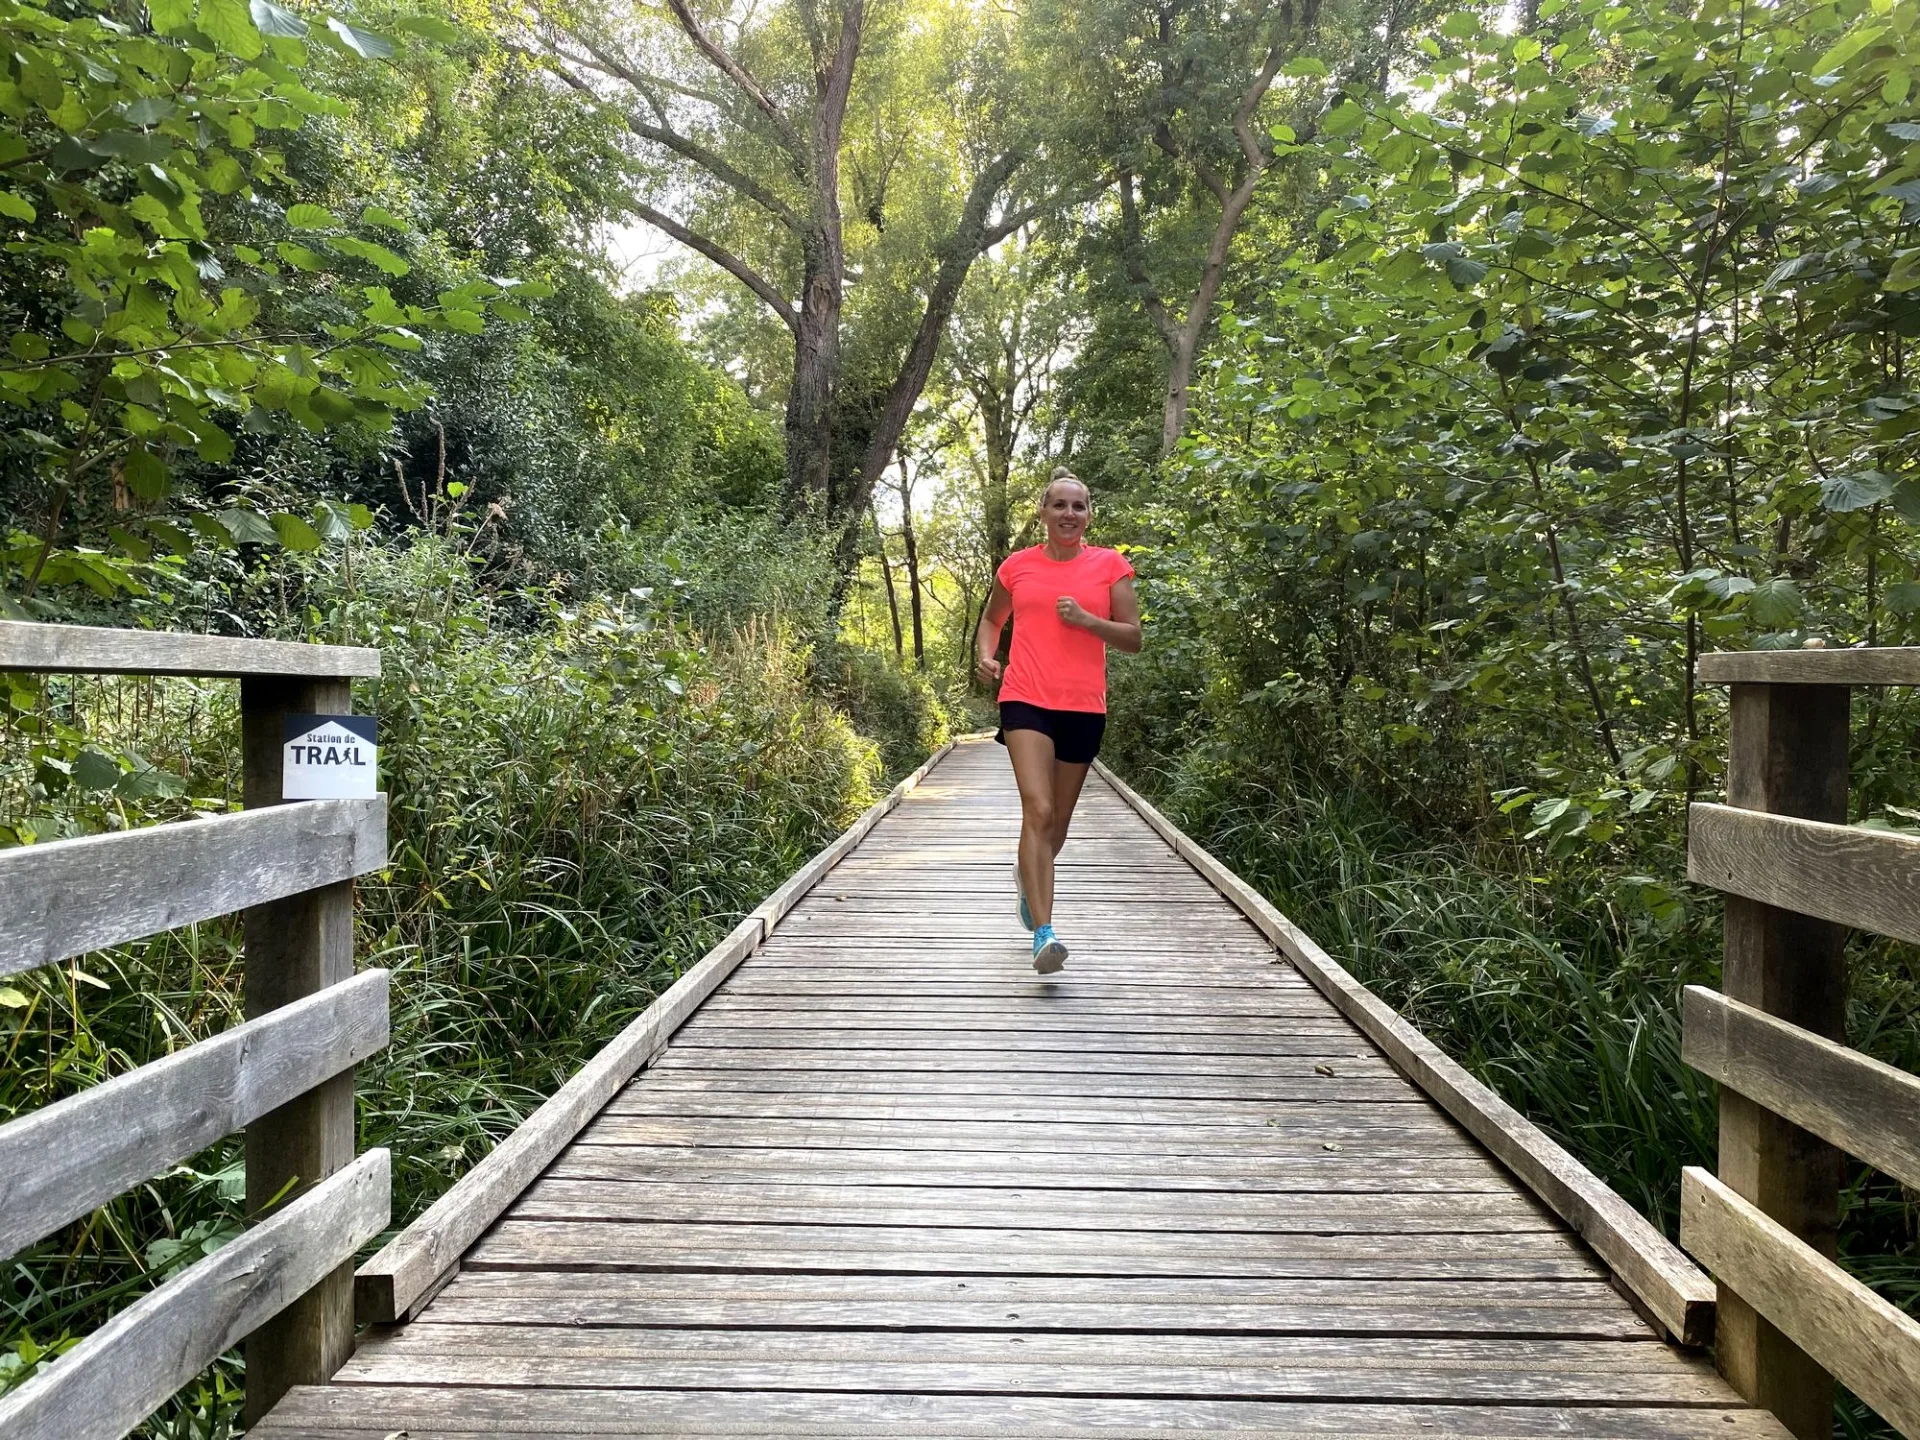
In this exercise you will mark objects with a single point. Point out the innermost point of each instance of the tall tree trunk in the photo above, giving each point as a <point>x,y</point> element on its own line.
<point>893,601</point>
<point>913,585</point>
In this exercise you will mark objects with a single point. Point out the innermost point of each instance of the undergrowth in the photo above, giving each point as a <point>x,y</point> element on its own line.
<point>579,808</point>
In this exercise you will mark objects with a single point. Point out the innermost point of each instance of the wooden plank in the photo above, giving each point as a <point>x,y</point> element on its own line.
<point>1864,1106</point>
<point>87,649</point>
<point>1147,1306</point>
<point>1787,755</point>
<point>394,1284</point>
<point>1646,1262</point>
<point>58,1163</point>
<point>112,1380</point>
<point>1413,1132</point>
<point>295,946</point>
<point>683,1059</point>
<point>1868,1344</point>
<point>376,1412</point>
<point>1328,1213</point>
<point>1022,1365</point>
<point>935,1249</point>
<point>397,1281</point>
<point>1877,665</point>
<point>67,897</point>
<point>1387,1089</point>
<point>775,907</point>
<point>1869,879</point>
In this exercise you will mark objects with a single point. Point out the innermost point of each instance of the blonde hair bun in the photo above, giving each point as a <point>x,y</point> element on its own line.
<point>1061,472</point>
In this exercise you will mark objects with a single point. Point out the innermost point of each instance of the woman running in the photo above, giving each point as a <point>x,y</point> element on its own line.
<point>1069,600</point>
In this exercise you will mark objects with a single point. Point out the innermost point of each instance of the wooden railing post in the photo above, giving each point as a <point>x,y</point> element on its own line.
<point>295,948</point>
<point>1788,756</point>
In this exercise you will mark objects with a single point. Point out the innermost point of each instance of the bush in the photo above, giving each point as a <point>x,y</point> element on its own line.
<point>897,708</point>
<point>578,810</point>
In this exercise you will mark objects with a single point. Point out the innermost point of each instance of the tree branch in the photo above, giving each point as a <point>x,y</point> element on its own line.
<point>725,259</point>
<point>739,75</point>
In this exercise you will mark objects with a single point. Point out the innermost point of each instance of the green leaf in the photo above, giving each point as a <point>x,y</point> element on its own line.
<point>17,207</point>
<point>12,999</point>
<point>94,771</point>
<point>228,25</point>
<point>429,27</point>
<point>277,21</point>
<point>295,533</point>
<point>1343,119</point>
<point>310,217</point>
<point>373,254</point>
<point>364,43</point>
<point>1304,67</point>
<point>1855,491</point>
<point>169,16</point>
<point>380,215</point>
<point>145,474</point>
<point>1775,603</point>
<point>248,527</point>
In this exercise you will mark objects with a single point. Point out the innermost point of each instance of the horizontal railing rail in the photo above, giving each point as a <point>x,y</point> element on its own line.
<point>1794,1097</point>
<point>284,1075</point>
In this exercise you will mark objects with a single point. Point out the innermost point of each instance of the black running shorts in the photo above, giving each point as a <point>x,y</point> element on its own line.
<point>1076,733</point>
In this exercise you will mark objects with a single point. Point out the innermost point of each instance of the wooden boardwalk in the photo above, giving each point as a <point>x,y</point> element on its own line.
<point>889,1182</point>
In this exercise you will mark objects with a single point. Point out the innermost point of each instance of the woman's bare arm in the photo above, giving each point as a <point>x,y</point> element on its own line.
<point>986,641</point>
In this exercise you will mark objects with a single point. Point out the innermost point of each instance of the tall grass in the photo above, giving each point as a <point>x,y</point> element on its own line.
<point>579,807</point>
<point>1559,990</point>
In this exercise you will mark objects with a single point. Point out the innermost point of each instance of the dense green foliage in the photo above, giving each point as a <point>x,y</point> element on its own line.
<point>1455,379</point>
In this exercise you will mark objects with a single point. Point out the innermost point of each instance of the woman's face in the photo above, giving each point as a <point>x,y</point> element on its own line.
<point>1065,512</point>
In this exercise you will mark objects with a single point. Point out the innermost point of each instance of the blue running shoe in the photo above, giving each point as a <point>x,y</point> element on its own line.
<point>1049,951</point>
<point>1026,915</point>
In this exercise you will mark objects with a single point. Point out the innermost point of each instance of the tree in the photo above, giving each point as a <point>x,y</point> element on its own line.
<point>164,292</point>
<point>1191,107</point>
<point>757,157</point>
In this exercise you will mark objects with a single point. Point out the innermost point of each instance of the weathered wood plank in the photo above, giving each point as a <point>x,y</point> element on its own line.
<point>87,649</point>
<point>1647,1263</point>
<point>1869,879</point>
<point>1865,1342</point>
<point>1864,1106</point>
<point>112,1380</point>
<point>375,1412</point>
<point>66,897</point>
<point>396,1282</point>
<point>58,1163</point>
<point>1877,665</point>
<point>1324,1213</point>
<point>1405,1382</point>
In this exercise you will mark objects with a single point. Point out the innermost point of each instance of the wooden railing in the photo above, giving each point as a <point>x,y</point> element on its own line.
<point>1793,1096</point>
<point>285,1076</point>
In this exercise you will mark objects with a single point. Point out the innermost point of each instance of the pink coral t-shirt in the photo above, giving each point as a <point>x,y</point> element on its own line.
<point>1055,665</point>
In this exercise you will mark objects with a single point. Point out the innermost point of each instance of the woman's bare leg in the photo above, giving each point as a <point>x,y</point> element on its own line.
<point>1067,780</point>
<point>1034,771</point>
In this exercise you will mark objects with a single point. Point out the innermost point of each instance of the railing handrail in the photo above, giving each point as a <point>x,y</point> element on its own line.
<point>100,650</point>
<point>285,1075</point>
<point>1793,1094</point>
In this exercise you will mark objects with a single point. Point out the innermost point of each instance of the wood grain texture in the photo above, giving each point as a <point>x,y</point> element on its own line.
<point>1871,1347</point>
<point>60,1162</point>
<point>1787,754</point>
<point>86,649</point>
<point>1866,1107</point>
<point>394,1283</point>
<point>1646,1262</point>
<point>887,1182</point>
<point>1878,665</point>
<point>118,1375</point>
<point>1868,879</point>
<point>66,897</point>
